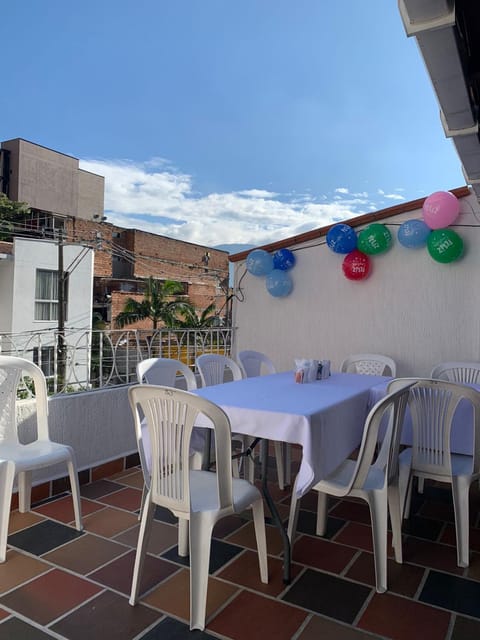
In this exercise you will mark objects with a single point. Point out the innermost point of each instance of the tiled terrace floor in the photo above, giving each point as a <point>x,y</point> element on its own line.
<point>58,583</point>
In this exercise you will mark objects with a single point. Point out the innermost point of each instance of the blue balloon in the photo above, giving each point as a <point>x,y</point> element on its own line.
<point>259,262</point>
<point>342,238</point>
<point>283,259</point>
<point>413,233</point>
<point>279,283</point>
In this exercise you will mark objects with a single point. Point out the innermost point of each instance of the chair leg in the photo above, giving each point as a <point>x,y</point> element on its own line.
<point>143,536</point>
<point>378,504</point>
<point>293,515</point>
<point>201,527</point>
<point>322,503</point>
<point>75,487</point>
<point>460,491</point>
<point>24,491</point>
<point>396,521</point>
<point>420,485</point>
<point>183,538</point>
<point>7,475</point>
<point>259,524</point>
<point>288,464</point>
<point>279,461</point>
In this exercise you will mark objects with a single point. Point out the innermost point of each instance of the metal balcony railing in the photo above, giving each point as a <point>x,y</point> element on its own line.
<point>97,359</point>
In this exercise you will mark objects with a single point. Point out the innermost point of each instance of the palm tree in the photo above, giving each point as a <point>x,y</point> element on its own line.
<point>157,305</point>
<point>191,319</point>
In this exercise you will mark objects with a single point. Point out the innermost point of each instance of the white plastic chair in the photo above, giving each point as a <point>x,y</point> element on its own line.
<point>213,369</point>
<point>462,372</point>
<point>253,364</point>
<point>371,364</point>
<point>21,459</point>
<point>164,371</point>
<point>432,405</point>
<point>375,479</point>
<point>200,497</point>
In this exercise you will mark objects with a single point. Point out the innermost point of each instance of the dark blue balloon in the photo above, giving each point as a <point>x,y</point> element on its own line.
<point>283,259</point>
<point>342,238</point>
<point>413,233</point>
<point>259,262</point>
<point>279,283</point>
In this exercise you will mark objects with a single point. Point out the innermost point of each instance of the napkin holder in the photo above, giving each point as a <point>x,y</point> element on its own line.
<point>307,370</point>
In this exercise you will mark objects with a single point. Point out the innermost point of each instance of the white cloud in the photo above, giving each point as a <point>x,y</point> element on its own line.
<point>156,197</point>
<point>393,196</point>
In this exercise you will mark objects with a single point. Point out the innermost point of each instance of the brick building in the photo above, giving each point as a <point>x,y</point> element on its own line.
<point>67,202</point>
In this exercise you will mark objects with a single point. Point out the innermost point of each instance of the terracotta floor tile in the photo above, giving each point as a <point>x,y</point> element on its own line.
<point>99,488</point>
<point>402,619</point>
<point>403,579</point>
<point>322,554</point>
<point>86,554</point>
<point>350,510</point>
<point>319,627</point>
<point>163,536</point>
<point>19,521</point>
<point>173,595</point>
<point>4,614</point>
<point>62,509</point>
<point>19,568</point>
<point>359,535</point>
<point>134,479</point>
<point>109,522</point>
<point>15,628</point>
<point>118,574</point>
<point>106,616</point>
<point>244,571</point>
<point>252,616</point>
<point>49,596</point>
<point>246,538</point>
<point>129,499</point>
<point>431,554</point>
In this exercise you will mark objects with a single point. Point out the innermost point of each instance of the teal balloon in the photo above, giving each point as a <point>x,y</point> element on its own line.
<point>374,239</point>
<point>259,262</point>
<point>279,283</point>
<point>445,245</point>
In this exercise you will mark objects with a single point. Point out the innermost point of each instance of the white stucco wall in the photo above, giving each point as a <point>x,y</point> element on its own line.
<point>41,254</point>
<point>416,310</point>
<point>6,293</point>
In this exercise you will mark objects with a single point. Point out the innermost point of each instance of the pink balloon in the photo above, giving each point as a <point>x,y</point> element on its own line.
<point>440,209</point>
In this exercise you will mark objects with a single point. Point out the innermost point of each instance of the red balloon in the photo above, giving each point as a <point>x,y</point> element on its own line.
<point>356,265</point>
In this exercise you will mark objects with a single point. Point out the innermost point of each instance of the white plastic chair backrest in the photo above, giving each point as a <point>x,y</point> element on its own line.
<point>463,372</point>
<point>370,364</point>
<point>432,405</point>
<point>253,363</point>
<point>212,366</point>
<point>164,371</point>
<point>392,406</point>
<point>11,371</point>
<point>170,415</point>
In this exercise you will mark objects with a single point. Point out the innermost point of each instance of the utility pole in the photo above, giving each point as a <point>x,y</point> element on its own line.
<point>61,355</point>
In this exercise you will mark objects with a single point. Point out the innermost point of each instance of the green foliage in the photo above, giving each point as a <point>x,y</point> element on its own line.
<point>157,305</point>
<point>191,319</point>
<point>11,212</point>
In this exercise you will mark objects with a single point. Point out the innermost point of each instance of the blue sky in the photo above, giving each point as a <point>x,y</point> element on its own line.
<point>228,121</point>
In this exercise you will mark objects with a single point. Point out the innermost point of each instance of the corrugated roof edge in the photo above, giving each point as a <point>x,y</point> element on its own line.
<point>460,192</point>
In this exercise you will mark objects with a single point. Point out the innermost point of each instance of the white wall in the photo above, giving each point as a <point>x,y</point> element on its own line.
<point>6,294</point>
<point>31,255</point>
<point>416,310</point>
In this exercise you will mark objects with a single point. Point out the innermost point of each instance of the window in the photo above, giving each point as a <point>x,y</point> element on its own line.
<point>46,295</point>
<point>44,358</point>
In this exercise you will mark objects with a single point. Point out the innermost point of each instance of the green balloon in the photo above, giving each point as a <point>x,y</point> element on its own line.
<point>376,238</point>
<point>444,245</point>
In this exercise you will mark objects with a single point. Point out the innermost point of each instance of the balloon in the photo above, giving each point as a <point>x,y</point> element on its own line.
<point>445,245</point>
<point>259,262</point>
<point>283,259</point>
<point>413,233</point>
<point>440,209</point>
<point>279,283</point>
<point>356,265</point>
<point>342,238</point>
<point>376,238</point>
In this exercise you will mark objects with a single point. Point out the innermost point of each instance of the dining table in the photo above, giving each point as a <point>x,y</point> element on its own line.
<point>325,417</point>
